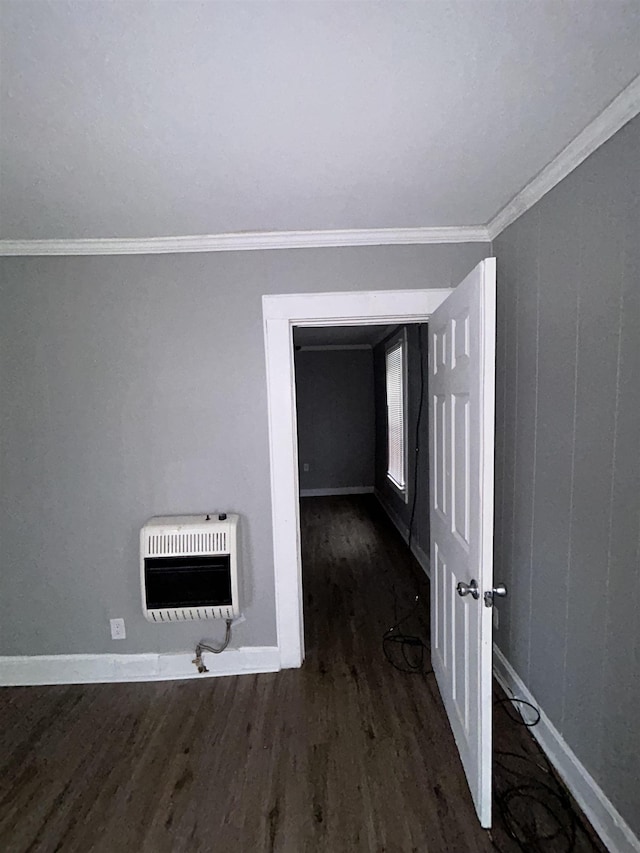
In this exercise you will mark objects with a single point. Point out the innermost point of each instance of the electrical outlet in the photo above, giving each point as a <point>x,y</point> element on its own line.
<point>496,617</point>
<point>305,467</point>
<point>117,629</point>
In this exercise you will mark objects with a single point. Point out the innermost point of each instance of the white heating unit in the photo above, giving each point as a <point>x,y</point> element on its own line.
<point>189,567</point>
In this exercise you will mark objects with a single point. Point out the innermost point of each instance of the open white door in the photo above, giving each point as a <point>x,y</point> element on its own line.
<point>461,414</point>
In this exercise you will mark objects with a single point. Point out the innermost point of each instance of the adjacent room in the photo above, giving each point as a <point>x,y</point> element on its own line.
<point>320,426</point>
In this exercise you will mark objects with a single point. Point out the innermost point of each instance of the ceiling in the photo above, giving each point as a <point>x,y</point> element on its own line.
<point>150,119</point>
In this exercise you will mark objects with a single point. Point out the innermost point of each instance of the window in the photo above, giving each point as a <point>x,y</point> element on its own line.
<point>395,372</point>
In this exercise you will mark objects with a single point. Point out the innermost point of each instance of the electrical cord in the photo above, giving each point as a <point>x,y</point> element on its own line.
<point>508,703</point>
<point>401,659</point>
<point>204,647</point>
<point>535,811</point>
<point>418,424</point>
<point>392,635</point>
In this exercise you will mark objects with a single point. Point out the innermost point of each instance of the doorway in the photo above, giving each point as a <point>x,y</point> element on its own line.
<point>281,314</point>
<point>362,419</point>
<point>363,441</point>
<point>461,418</point>
<point>336,408</point>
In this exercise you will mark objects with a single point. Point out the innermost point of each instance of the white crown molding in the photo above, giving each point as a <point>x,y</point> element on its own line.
<point>247,241</point>
<point>600,811</point>
<point>620,111</point>
<point>102,668</point>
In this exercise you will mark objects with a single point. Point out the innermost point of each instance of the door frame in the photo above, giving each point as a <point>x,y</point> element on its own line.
<point>280,314</point>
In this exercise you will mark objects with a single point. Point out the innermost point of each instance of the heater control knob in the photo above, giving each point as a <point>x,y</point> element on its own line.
<point>222,516</point>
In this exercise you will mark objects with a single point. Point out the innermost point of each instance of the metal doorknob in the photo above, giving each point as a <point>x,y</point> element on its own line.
<point>498,591</point>
<point>470,588</point>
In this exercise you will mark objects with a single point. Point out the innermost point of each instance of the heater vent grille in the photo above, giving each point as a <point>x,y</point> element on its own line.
<point>190,614</point>
<point>175,544</point>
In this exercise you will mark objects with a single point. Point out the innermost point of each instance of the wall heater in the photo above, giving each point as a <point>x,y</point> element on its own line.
<point>189,567</point>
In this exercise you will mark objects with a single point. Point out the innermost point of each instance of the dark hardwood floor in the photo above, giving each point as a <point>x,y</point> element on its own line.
<point>346,754</point>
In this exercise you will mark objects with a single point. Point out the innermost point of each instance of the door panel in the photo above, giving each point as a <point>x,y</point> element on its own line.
<point>461,414</point>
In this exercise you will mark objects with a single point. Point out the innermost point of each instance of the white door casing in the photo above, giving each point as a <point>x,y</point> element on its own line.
<point>281,313</point>
<point>461,435</point>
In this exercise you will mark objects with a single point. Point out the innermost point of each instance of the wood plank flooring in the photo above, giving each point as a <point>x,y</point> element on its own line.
<point>346,754</point>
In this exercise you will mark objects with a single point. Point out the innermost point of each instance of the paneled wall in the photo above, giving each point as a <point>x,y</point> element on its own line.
<point>568,460</point>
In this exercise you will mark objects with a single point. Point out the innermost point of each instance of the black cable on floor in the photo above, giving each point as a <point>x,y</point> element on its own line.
<point>406,652</point>
<point>508,705</point>
<point>418,423</point>
<point>535,811</point>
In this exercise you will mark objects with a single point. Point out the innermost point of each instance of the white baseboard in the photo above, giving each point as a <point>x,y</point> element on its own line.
<point>403,530</point>
<point>99,669</point>
<point>344,490</point>
<point>600,811</point>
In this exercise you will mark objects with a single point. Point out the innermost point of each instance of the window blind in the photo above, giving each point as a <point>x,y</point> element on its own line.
<point>395,415</point>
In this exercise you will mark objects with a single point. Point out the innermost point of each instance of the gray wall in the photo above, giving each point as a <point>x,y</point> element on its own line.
<point>390,496</point>
<point>568,460</point>
<point>135,386</point>
<point>336,418</point>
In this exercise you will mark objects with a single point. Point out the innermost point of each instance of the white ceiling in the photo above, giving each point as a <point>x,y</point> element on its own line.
<point>147,119</point>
